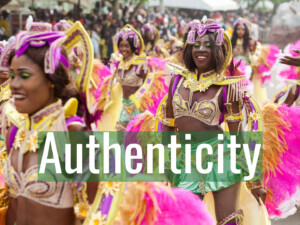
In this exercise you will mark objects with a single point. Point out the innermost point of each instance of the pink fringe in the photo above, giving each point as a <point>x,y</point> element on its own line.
<point>187,208</point>
<point>103,72</point>
<point>158,63</point>
<point>157,99</point>
<point>284,183</point>
<point>264,70</point>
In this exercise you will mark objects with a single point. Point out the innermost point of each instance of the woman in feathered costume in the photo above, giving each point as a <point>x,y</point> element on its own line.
<point>203,94</point>
<point>153,44</point>
<point>40,86</point>
<point>258,59</point>
<point>134,82</point>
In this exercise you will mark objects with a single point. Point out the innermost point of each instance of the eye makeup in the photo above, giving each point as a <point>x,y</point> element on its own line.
<point>12,75</point>
<point>25,75</point>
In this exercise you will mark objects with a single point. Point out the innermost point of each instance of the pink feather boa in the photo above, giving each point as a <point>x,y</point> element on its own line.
<point>265,69</point>
<point>285,183</point>
<point>186,208</point>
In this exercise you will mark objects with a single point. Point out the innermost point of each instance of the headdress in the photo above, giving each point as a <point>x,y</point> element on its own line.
<point>209,25</point>
<point>129,32</point>
<point>5,49</point>
<point>37,26</point>
<point>38,35</point>
<point>152,29</point>
<point>148,27</point>
<point>62,25</point>
<point>191,25</point>
<point>3,44</point>
<point>206,25</point>
<point>243,21</point>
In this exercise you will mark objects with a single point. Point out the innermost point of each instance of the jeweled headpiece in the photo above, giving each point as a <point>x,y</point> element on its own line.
<point>3,44</point>
<point>5,49</point>
<point>62,25</point>
<point>38,38</point>
<point>129,32</point>
<point>244,22</point>
<point>148,27</point>
<point>205,26</point>
<point>37,26</point>
<point>191,25</point>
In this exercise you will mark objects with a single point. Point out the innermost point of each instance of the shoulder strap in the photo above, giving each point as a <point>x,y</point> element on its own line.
<point>221,120</point>
<point>175,84</point>
<point>12,136</point>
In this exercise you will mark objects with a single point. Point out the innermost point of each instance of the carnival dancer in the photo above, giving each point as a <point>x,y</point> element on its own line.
<point>40,85</point>
<point>201,94</point>
<point>4,83</point>
<point>136,84</point>
<point>257,58</point>
<point>153,44</point>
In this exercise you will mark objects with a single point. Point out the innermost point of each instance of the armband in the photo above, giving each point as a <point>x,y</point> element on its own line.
<point>254,185</point>
<point>168,122</point>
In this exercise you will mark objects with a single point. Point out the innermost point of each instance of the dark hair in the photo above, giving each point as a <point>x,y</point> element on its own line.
<point>146,41</point>
<point>246,38</point>
<point>131,43</point>
<point>218,55</point>
<point>63,88</point>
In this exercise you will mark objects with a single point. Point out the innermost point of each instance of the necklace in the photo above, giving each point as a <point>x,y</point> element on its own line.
<point>205,81</point>
<point>27,136</point>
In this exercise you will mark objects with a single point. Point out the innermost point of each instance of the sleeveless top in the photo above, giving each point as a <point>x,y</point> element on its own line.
<point>26,184</point>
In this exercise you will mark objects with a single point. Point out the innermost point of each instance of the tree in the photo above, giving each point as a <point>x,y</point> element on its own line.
<point>116,5</point>
<point>4,2</point>
<point>276,4</point>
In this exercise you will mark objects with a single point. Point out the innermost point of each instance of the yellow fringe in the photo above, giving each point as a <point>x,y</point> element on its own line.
<point>274,144</point>
<point>156,87</point>
<point>104,93</point>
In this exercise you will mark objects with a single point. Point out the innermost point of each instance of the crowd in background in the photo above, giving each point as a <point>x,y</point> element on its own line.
<point>102,27</point>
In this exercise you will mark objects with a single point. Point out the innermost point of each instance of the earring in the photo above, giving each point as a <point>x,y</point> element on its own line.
<point>52,86</point>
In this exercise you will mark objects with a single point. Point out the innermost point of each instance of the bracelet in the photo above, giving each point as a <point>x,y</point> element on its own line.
<point>254,185</point>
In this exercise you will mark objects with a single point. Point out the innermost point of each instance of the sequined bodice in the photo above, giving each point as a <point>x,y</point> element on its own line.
<point>129,77</point>
<point>206,111</point>
<point>26,184</point>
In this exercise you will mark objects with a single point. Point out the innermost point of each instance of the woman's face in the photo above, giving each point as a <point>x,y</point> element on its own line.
<point>240,30</point>
<point>202,54</point>
<point>125,49</point>
<point>150,35</point>
<point>30,88</point>
<point>4,76</point>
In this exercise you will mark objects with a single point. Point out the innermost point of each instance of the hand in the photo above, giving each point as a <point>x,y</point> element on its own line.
<point>290,60</point>
<point>259,193</point>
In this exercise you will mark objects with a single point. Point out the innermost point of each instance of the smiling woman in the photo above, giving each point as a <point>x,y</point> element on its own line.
<point>40,85</point>
<point>141,84</point>
<point>201,97</point>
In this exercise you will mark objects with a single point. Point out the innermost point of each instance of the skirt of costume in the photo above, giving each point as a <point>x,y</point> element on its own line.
<point>213,181</point>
